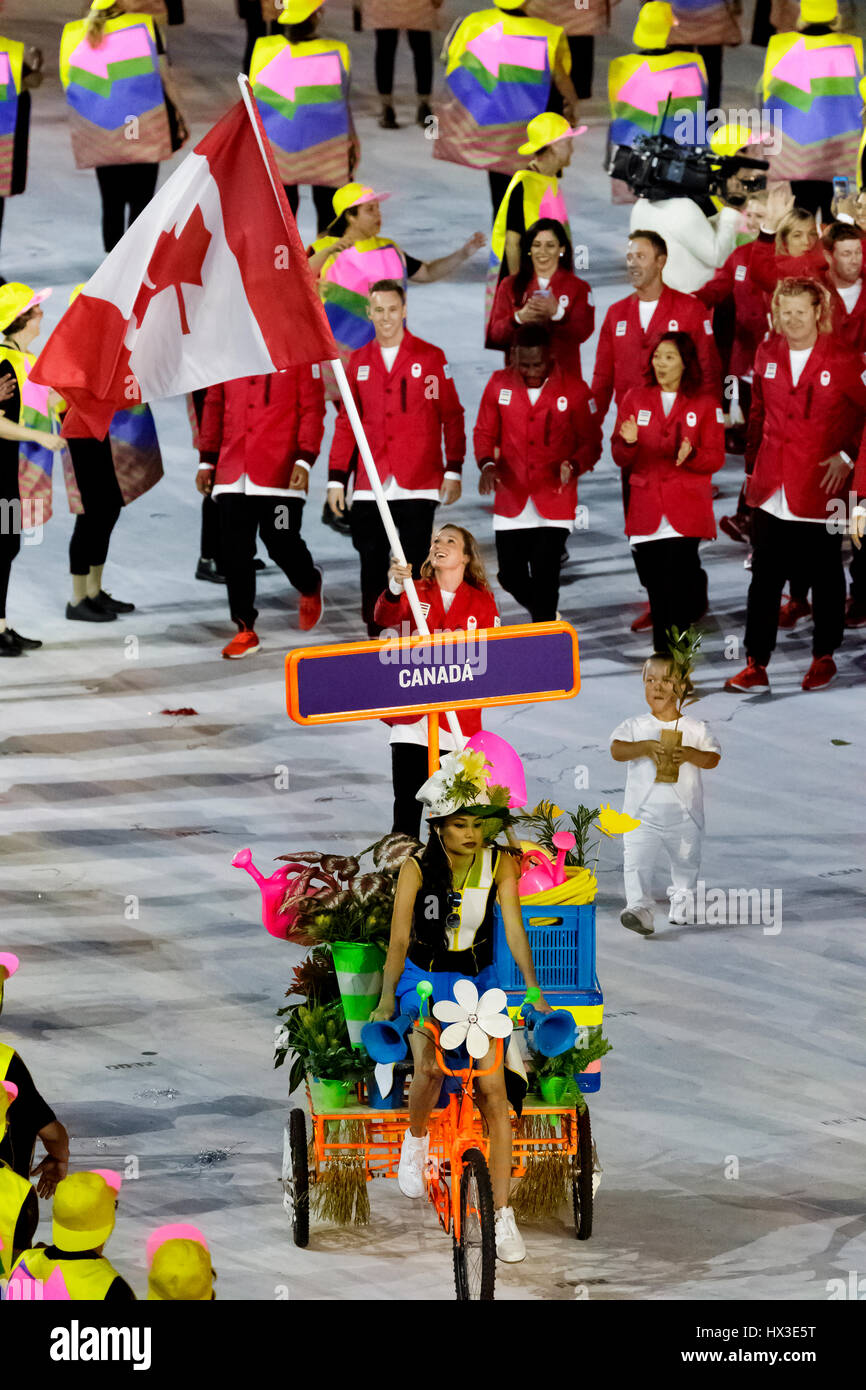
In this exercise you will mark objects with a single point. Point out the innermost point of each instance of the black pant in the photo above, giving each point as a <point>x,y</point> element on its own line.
<point>124,186</point>
<point>530,559</point>
<point>813,194</point>
<point>10,516</point>
<point>414,522</point>
<point>278,521</point>
<point>211,537</point>
<point>250,12</point>
<point>582,48</point>
<point>102,501</point>
<point>498,186</point>
<point>857,571</point>
<point>676,585</point>
<point>322,201</point>
<point>783,548</point>
<point>408,773</point>
<point>421,44</point>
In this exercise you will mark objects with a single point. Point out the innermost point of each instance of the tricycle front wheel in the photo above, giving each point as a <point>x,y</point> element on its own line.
<point>475,1251</point>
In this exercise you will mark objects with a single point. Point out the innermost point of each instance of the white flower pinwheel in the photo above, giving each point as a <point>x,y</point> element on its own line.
<point>472,1020</point>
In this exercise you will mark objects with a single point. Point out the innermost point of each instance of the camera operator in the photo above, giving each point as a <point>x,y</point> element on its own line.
<point>699,243</point>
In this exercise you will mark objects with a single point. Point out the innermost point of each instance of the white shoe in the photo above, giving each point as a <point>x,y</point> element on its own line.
<point>509,1242</point>
<point>413,1163</point>
<point>639,919</point>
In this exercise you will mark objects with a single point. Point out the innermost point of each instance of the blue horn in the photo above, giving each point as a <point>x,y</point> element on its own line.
<point>552,1034</point>
<point>386,1042</point>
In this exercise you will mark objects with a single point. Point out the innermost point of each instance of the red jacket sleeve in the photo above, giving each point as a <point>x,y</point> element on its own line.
<point>488,426</point>
<point>342,456</point>
<point>766,268</point>
<point>624,454</point>
<point>588,451</point>
<point>708,356</point>
<point>311,404</point>
<point>755,431</point>
<point>451,415</point>
<point>392,609</point>
<point>501,328</point>
<point>720,288</point>
<point>581,315</point>
<point>602,377</point>
<point>708,448</point>
<point>210,436</point>
<point>858,483</point>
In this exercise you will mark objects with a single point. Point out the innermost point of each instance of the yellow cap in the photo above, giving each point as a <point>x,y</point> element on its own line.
<point>180,1272</point>
<point>296,11</point>
<point>509,4</point>
<point>654,24</point>
<point>545,129</point>
<point>352,195</point>
<point>103,4</point>
<point>84,1212</point>
<point>818,11</point>
<point>731,138</point>
<point>16,299</point>
<point>8,1092</point>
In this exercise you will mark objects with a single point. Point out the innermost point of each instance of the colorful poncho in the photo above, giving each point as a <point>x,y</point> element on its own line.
<point>638,88</point>
<point>811,96</point>
<point>498,75</point>
<point>303,94</point>
<point>11,106</point>
<point>115,94</point>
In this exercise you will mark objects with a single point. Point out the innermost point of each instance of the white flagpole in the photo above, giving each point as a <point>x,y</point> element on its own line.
<point>358,431</point>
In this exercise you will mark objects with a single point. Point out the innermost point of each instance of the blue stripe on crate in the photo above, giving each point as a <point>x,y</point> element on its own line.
<point>563,953</point>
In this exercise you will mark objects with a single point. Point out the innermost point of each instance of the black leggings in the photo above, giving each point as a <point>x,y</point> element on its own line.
<point>322,201</point>
<point>670,571</point>
<point>408,773</point>
<point>102,501</point>
<point>421,44</point>
<point>10,518</point>
<point>806,549</point>
<point>124,186</point>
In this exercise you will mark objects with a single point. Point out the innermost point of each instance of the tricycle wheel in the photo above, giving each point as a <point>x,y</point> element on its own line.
<point>475,1252</point>
<point>296,1178</point>
<point>581,1177</point>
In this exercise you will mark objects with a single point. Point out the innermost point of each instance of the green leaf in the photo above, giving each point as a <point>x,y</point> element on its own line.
<point>841,742</point>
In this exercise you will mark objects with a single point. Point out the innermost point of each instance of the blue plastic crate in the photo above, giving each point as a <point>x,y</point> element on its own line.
<point>562,941</point>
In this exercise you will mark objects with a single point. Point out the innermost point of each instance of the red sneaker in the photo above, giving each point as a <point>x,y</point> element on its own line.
<point>244,643</point>
<point>752,678</point>
<point>791,612</point>
<point>310,607</point>
<point>644,621</point>
<point>855,613</point>
<point>735,528</point>
<point>820,673</point>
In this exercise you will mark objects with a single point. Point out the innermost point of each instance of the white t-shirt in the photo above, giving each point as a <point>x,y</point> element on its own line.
<point>646,308</point>
<point>849,294</point>
<point>389,355</point>
<point>641,788</point>
<point>664,531</point>
<point>777,504</point>
<point>417,732</point>
<point>530,516</point>
<point>245,485</point>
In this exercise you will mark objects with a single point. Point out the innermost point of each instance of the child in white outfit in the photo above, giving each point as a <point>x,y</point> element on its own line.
<point>671,813</point>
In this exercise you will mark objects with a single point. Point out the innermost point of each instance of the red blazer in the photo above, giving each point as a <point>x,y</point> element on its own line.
<point>849,329</point>
<point>624,350</point>
<point>751,306</point>
<point>656,486</point>
<point>793,430</point>
<point>470,609</point>
<point>566,336</point>
<point>405,412</point>
<point>767,268</point>
<point>529,443</point>
<point>259,425</point>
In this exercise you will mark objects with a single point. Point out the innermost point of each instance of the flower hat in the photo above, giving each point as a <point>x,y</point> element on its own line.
<point>460,784</point>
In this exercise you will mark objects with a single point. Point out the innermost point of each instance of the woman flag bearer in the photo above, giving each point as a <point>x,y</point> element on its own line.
<point>442,931</point>
<point>537,430</point>
<point>669,440</point>
<point>808,409</point>
<point>407,400</point>
<point>259,438</point>
<point>454,588</point>
<point>124,119</point>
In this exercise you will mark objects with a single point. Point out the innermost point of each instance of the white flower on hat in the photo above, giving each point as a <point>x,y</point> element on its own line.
<point>458,781</point>
<point>472,1020</point>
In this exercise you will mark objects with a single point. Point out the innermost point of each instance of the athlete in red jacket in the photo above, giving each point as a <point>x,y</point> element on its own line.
<point>407,400</point>
<point>537,430</point>
<point>545,290</point>
<point>259,437</point>
<point>808,411</point>
<point>670,438</point>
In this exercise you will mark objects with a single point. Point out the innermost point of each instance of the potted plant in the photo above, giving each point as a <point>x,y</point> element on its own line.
<point>556,1077</point>
<point>545,821</point>
<point>683,648</point>
<point>317,1035</point>
<point>351,915</point>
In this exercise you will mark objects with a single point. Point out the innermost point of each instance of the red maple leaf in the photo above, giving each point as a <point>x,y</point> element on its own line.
<point>176,261</point>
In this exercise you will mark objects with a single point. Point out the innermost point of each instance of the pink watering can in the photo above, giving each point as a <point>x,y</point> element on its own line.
<point>538,873</point>
<point>273,891</point>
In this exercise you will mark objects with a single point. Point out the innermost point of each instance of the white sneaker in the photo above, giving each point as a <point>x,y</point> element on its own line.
<point>509,1242</point>
<point>413,1163</point>
<point>639,919</point>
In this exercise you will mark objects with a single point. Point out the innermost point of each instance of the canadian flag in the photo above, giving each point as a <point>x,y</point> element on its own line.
<point>210,283</point>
